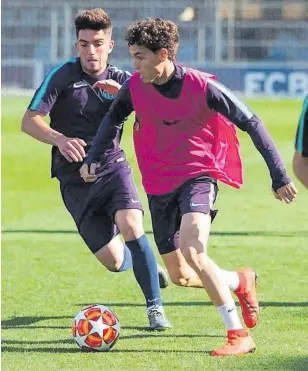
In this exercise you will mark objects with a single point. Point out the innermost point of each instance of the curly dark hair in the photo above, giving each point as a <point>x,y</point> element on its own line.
<point>93,19</point>
<point>154,34</point>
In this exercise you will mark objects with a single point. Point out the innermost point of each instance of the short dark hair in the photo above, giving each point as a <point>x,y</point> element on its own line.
<point>93,19</point>
<point>154,34</point>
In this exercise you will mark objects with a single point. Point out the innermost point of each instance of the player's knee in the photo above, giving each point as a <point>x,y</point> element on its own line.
<point>130,224</point>
<point>190,256</point>
<point>179,280</point>
<point>110,262</point>
<point>178,276</point>
<point>113,267</point>
<point>131,232</point>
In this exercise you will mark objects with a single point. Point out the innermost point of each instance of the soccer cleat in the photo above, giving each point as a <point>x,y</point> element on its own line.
<point>247,296</point>
<point>239,343</point>
<point>157,318</point>
<point>163,277</point>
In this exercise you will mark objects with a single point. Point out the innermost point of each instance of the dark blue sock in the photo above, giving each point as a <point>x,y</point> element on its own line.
<point>127,260</point>
<point>145,269</point>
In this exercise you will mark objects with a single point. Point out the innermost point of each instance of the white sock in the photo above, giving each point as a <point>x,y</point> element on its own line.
<point>229,315</point>
<point>230,277</point>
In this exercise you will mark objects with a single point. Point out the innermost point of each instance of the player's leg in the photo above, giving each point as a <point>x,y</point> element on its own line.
<point>126,208</point>
<point>194,232</point>
<point>102,237</point>
<point>95,227</point>
<point>195,203</point>
<point>166,219</point>
<point>130,224</point>
<point>241,282</point>
<point>165,215</point>
<point>115,255</point>
<point>182,274</point>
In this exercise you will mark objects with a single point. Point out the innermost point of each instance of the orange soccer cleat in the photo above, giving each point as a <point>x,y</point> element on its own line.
<point>247,296</point>
<point>239,343</point>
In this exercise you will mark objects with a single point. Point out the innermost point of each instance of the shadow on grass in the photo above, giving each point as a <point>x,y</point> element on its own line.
<point>124,337</point>
<point>25,321</point>
<point>293,363</point>
<point>263,304</point>
<point>76,350</point>
<point>298,363</point>
<point>28,321</point>
<point>215,233</point>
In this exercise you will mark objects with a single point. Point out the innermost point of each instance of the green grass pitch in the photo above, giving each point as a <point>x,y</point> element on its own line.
<point>48,274</point>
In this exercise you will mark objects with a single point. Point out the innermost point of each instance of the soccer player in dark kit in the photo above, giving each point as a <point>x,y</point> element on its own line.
<point>102,210</point>
<point>185,142</point>
<point>300,159</point>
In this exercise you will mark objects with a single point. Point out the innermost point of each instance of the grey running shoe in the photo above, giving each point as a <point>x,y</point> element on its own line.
<point>163,277</point>
<point>157,318</point>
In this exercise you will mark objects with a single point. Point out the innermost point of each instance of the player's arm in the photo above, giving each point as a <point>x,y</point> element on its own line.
<point>108,131</point>
<point>300,159</point>
<point>33,124</point>
<point>113,86</point>
<point>223,101</point>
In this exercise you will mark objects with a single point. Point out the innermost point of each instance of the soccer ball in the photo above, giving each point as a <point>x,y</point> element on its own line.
<point>96,327</point>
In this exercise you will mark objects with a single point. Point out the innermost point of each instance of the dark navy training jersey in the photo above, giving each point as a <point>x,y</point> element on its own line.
<point>218,98</point>
<point>74,107</point>
<point>301,142</point>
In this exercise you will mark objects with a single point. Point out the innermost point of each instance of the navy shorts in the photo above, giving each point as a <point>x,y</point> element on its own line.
<point>195,195</point>
<point>93,205</point>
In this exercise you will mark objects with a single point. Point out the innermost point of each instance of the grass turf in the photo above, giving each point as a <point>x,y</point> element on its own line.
<point>48,274</point>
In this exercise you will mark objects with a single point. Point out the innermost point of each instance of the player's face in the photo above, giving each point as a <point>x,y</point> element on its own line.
<point>149,64</point>
<point>93,48</point>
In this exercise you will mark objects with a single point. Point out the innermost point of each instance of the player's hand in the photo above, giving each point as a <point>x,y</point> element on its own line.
<point>286,193</point>
<point>110,86</point>
<point>71,148</point>
<point>87,172</point>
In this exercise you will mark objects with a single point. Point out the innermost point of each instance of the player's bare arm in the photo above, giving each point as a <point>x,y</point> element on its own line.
<point>222,100</point>
<point>34,125</point>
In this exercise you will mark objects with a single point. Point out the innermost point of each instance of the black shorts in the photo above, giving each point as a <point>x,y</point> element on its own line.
<point>93,205</point>
<point>301,141</point>
<point>195,195</point>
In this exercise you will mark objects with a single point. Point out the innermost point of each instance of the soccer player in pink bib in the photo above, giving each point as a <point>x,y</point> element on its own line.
<point>185,142</point>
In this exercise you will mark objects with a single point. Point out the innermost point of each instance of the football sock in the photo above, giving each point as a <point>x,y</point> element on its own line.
<point>145,269</point>
<point>229,315</point>
<point>127,260</point>
<point>231,278</point>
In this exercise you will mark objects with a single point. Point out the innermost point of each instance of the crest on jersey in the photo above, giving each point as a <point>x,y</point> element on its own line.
<point>107,95</point>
